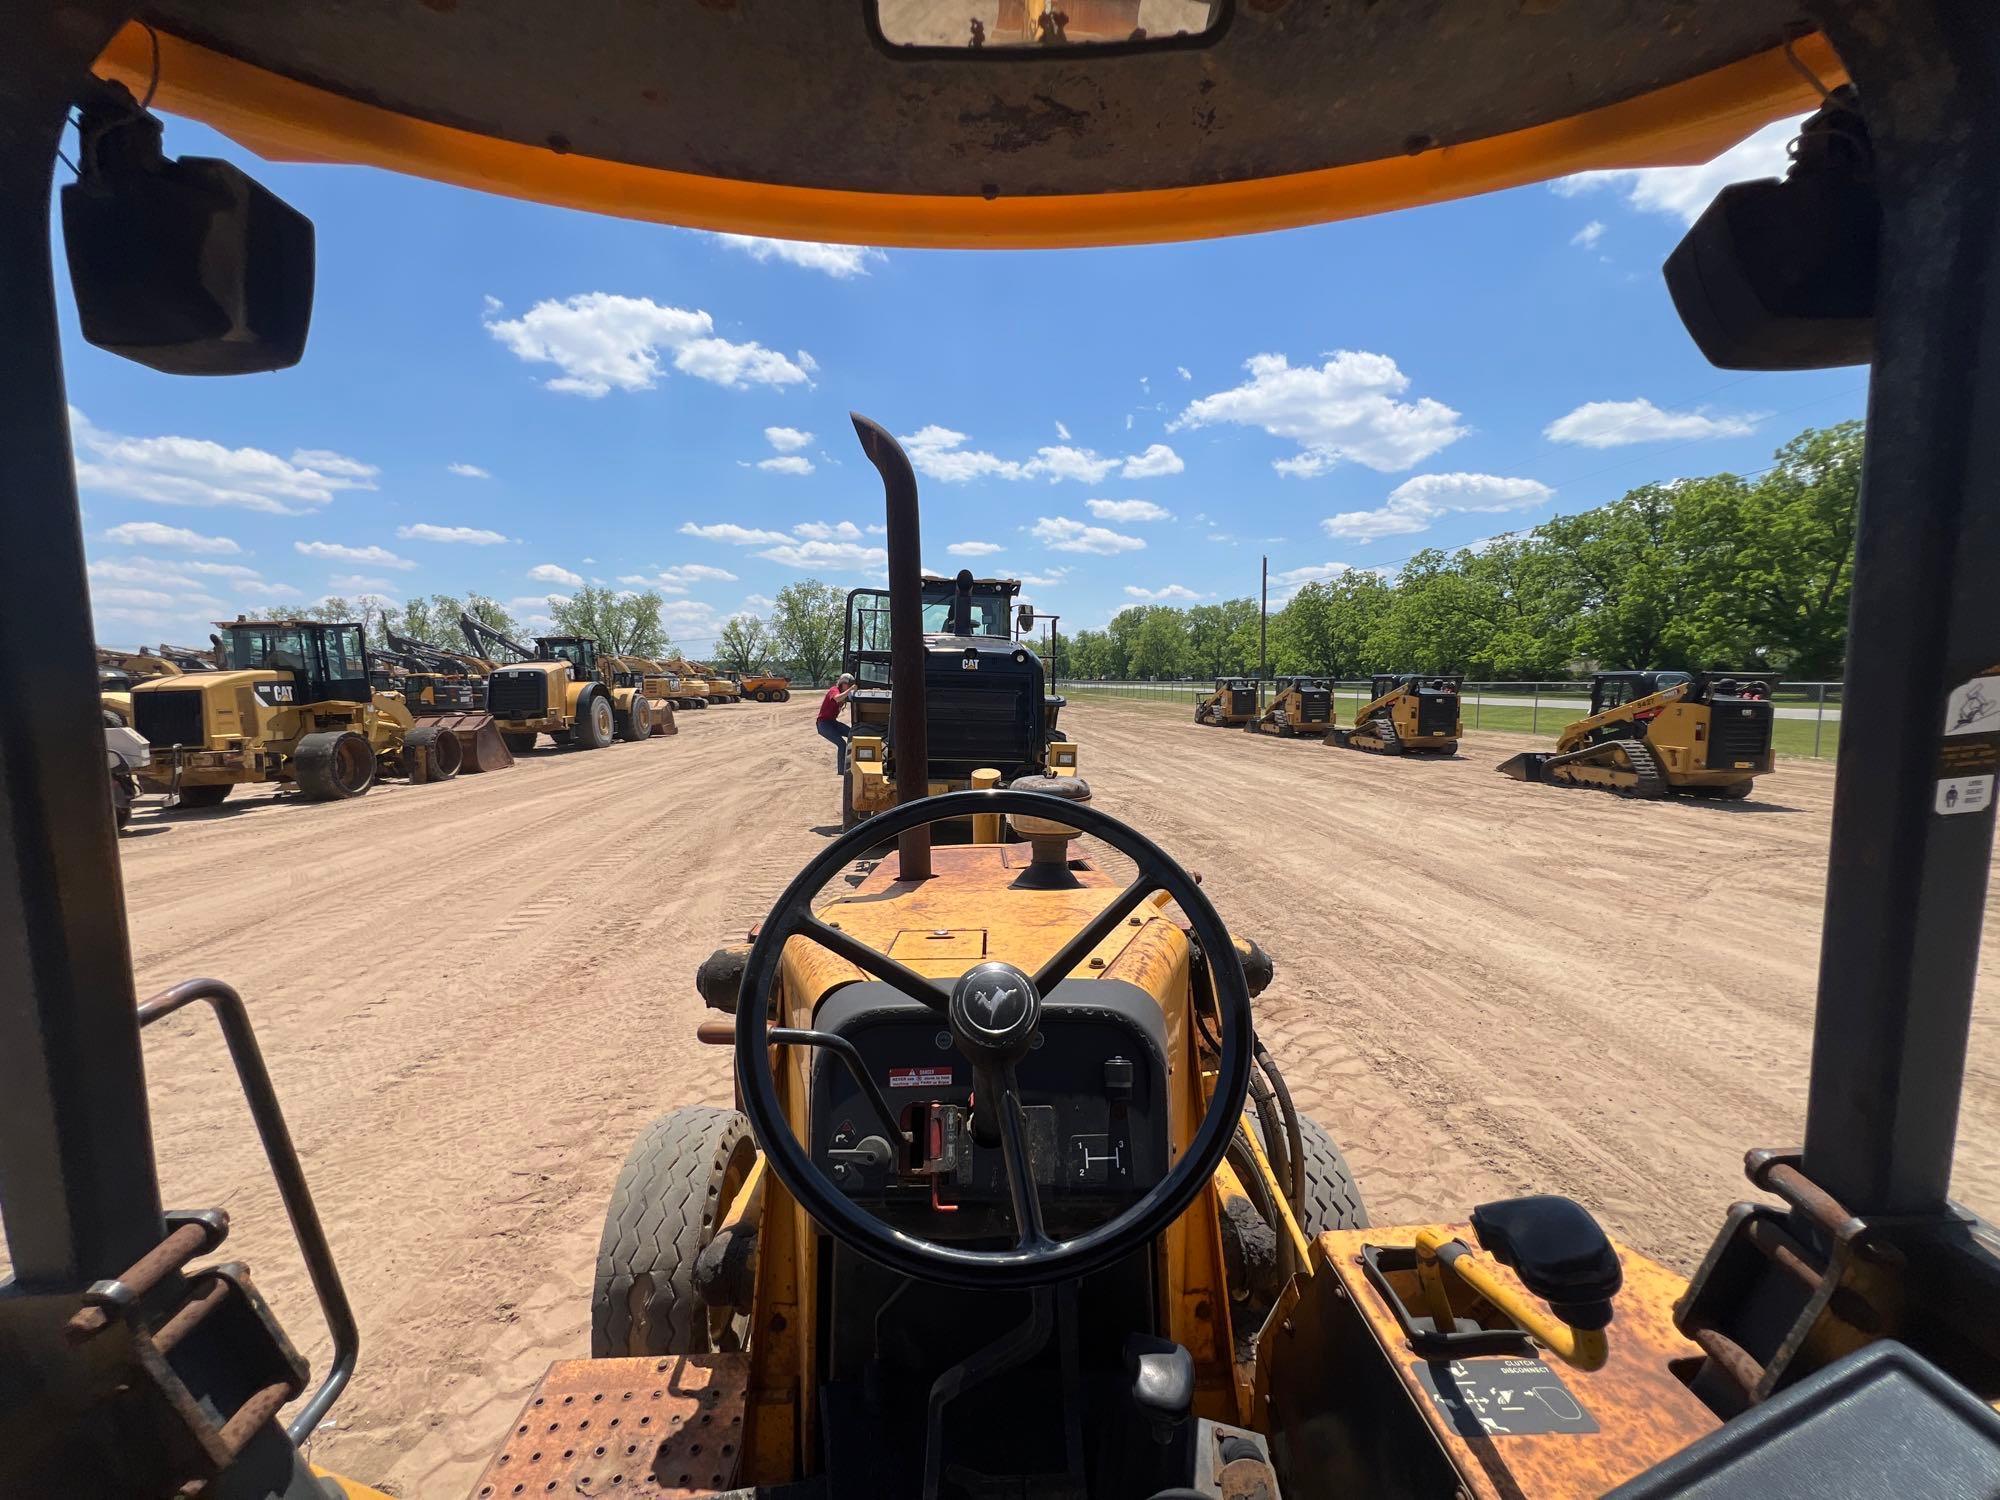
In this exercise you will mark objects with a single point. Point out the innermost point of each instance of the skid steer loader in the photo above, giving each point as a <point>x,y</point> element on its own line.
<point>1405,713</point>
<point>292,701</point>
<point>1650,734</point>
<point>1299,705</point>
<point>1012,1187</point>
<point>1233,704</point>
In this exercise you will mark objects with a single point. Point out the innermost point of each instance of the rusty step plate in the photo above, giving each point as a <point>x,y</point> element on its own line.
<point>638,1428</point>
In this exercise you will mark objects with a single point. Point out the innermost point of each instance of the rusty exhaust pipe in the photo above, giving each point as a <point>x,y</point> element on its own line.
<point>909,726</point>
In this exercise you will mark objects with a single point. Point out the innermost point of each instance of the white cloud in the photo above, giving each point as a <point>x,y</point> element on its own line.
<point>601,340</point>
<point>153,534</point>
<point>1612,424</point>
<point>195,471</point>
<point>378,557</point>
<point>168,595</point>
<point>940,453</point>
<point>1157,460</point>
<point>685,573</point>
<point>356,583</point>
<point>1128,510</point>
<point>840,557</point>
<point>1683,192</point>
<point>838,261</point>
<point>1047,579</point>
<point>1343,409</point>
<point>1292,578</point>
<point>790,463</point>
<point>1062,432</point>
<point>728,531</point>
<point>759,601</point>
<point>468,471</point>
<point>1063,534</point>
<point>1172,593</point>
<point>1415,504</point>
<point>1183,372</point>
<point>823,531</point>
<point>1589,235</point>
<point>787,439</point>
<point>974,549</point>
<point>471,536</point>
<point>551,573</point>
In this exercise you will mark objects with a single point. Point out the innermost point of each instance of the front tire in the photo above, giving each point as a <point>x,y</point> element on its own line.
<point>1333,1197</point>
<point>447,756</point>
<point>595,726</point>
<point>204,796</point>
<point>676,1184</point>
<point>334,766</point>
<point>632,724</point>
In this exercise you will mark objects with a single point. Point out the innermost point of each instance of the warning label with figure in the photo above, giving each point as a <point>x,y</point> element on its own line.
<point>1974,707</point>
<point>1964,794</point>
<point>1503,1397</point>
<point>920,1078</point>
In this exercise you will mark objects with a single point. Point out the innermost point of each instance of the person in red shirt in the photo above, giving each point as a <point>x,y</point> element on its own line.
<point>829,726</point>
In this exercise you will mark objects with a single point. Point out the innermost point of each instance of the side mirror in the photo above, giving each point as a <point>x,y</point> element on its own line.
<point>1024,618</point>
<point>187,266</point>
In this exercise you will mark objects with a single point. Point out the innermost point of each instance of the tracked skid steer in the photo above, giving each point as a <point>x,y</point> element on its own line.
<point>1014,1201</point>
<point>1651,734</point>
<point>1299,705</point>
<point>1406,713</point>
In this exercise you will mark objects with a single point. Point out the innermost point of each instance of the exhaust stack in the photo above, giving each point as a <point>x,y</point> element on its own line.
<point>908,723</point>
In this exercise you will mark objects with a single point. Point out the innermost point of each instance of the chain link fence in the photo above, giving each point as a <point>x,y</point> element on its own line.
<point>1807,722</point>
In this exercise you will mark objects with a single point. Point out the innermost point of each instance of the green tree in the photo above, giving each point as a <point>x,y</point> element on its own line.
<point>806,626</point>
<point>622,624</point>
<point>1327,628</point>
<point>1089,654</point>
<point>1160,643</point>
<point>1222,638</point>
<point>434,620</point>
<point>743,643</point>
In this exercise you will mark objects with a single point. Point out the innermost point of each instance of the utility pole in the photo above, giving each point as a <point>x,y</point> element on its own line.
<point>1264,622</point>
<point>1054,642</point>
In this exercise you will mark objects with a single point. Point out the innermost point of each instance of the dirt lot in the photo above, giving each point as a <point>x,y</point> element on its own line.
<point>473,996</point>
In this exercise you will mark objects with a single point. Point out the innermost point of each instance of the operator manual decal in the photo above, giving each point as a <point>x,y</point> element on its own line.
<point>1505,1397</point>
<point>920,1078</point>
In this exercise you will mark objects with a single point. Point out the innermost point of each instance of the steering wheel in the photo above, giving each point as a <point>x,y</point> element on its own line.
<point>993,1012</point>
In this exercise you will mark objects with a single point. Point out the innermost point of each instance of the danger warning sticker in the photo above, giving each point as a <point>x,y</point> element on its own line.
<point>1969,755</point>
<point>920,1078</point>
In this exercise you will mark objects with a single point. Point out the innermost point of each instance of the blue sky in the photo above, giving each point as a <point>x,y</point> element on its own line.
<point>509,398</point>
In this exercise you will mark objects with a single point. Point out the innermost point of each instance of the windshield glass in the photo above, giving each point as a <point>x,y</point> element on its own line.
<point>345,659</point>
<point>278,648</point>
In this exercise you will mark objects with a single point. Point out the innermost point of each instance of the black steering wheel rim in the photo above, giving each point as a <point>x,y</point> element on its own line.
<point>1022,1266</point>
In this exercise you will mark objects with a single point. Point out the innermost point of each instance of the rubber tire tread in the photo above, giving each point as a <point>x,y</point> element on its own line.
<point>584,735</point>
<point>663,1210</point>
<point>212,795</point>
<point>519,742</point>
<point>1333,1198</point>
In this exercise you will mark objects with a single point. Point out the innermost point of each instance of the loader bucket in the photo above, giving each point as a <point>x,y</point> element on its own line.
<point>1527,766</point>
<point>663,718</point>
<point>478,738</point>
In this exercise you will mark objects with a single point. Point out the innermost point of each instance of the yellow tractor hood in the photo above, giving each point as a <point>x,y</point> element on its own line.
<point>772,117</point>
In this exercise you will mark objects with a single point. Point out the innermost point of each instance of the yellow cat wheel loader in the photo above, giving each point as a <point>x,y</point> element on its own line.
<point>551,688</point>
<point>1651,734</point>
<point>1404,713</point>
<point>1233,704</point>
<point>292,701</point>
<point>642,712</point>
<point>1299,705</point>
<point>1011,1203</point>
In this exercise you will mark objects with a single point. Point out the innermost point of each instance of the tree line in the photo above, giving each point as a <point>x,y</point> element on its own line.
<point>1733,570</point>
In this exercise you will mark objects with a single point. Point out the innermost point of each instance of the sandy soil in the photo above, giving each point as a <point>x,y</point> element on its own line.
<point>473,996</point>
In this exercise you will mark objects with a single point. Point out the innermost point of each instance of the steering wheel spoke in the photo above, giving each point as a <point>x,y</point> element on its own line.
<point>872,960</point>
<point>1095,931</point>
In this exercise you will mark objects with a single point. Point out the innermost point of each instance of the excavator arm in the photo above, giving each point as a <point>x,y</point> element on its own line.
<point>484,640</point>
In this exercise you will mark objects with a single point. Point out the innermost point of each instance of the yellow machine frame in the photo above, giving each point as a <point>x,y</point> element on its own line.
<point>1400,709</point>
<point>1220,707</point>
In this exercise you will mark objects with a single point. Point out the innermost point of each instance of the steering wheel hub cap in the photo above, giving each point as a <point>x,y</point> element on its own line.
<point>994,1010</point>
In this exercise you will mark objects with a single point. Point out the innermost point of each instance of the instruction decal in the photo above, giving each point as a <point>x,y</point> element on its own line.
<point>920,1078</point>
<point>1969,755</point>
<point>1503,1397</point>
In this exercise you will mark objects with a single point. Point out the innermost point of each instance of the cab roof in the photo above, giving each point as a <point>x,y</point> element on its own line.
<point>773,117</point>
<point>289,625</point>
